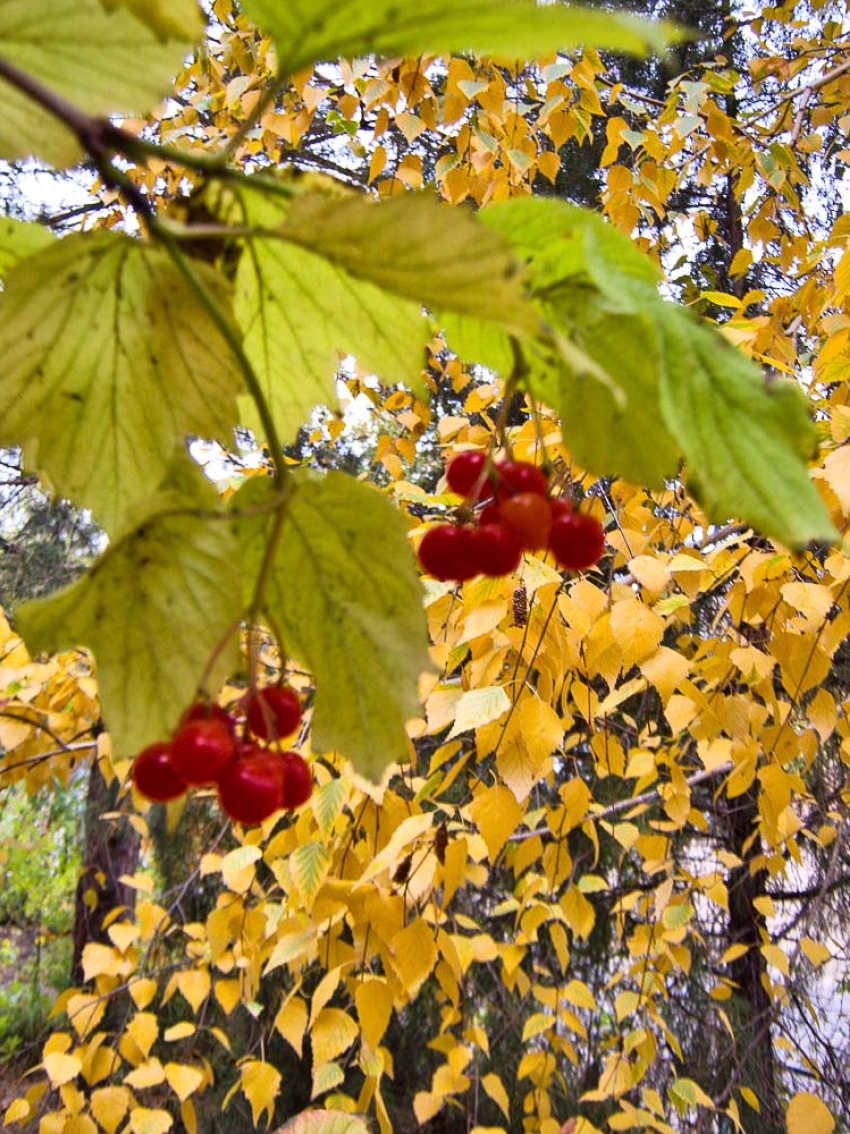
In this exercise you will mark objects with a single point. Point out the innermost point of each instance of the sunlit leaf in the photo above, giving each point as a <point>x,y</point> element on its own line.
<point>101,62</point>
<point>509,28</point>
<point>109,359</point>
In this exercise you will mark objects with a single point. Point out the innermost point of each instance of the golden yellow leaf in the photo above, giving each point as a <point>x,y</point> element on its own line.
<point>806,1114</point>
<point>145,1121</point>
<point>260,1083</point>
<point>62,1068</point>
<point>579,914</point>
<point>542,729</point>
<point>179,1031</point>
<point>291,1022</point>
<point>194,984</point>
<point>776,956</point>
<point>495,1090</point>
<point>666,669</point>
<point>143,1030</point>
<point>816,951</point>
<point>182,1079</point>
<point>333,1033</point>
<point>101,960</point>
<point>148,1074</point>
<point>637,630</point>
<point>374,1003</point>
<point>497,815</point>
<point>651,572</point>
<point>415,954</point>
<point>142,990</point>
<point>85,1012</point>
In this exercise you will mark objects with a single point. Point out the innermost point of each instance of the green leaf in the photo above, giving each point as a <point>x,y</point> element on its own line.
<point>301,314</point>
<point>308,865</point>
<point>101,62</point>
<point>601,370</point>
<point>744,439</point>
<point>345,591</point>
<point>19,239</point>
<point>414,247</point>
<point>109,359</point>
<point>328,802</point>
<point>153,610</point>
<point>514,29</point>
<point>168,19</point>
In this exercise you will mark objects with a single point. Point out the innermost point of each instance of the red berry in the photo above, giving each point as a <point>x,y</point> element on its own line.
<point>446,553</point>
<point>520,476</point>
<point>561,506</point>
<point>252,787</point>
<point>297,780</point>
<point>155,776</point>
<point>577,541</point>
<point>529,517</point>
<point>273,712</point>
<point>497,550</point>
<point>207,711</point>
<point>202,750</point>
<point>489,514</point>
<point>465,470</point>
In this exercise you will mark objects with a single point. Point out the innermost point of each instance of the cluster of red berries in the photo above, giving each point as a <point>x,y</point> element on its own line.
<point>207,749</point>
<point>518,515</point>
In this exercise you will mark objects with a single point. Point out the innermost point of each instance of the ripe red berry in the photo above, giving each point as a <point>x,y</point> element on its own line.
<point>273,712</point>
<point>496,549</point>
<point>465,470</point>
<point>155,776</point>
<point>520,476</point>
<point>202,750</point>
<point>207,711</point>
<point>489,514</point>
<point>577,541</point>
<point>446,553</point>
<point>252,787</point>
<point>560,506</point>
<point>297,780</point>
<point>529,517</point>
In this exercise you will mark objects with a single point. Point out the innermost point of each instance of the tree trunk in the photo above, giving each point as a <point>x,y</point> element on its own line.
<point>111,849</point>
<point>751,1009</point>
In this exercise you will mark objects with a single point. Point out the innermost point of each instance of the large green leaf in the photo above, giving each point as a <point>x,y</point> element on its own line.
<point>516,29</point>
<point>414,247</point>
<point>679,390</point>
<point>168,19</point>
<point>594,289</point>
<point>103,62</point>
<point>300,314</point>
<point>153,610</point>
<point>19,239</point>
<point>107,358</point>
<point>345,591</point>
<point>744,439</point>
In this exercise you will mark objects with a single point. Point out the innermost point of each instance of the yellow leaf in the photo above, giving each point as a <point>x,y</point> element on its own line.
<point>194,984</point>
<point>578,912</point>
<point>237,868</point>
<point>666,669</point>
<point>542,730</point>
<point>479,707</point>
<point>85,1012</point>
<point>374,1003</point>
<point>144,1121</point>
<point>497,815</point>
<point>148,1074</point>
<point>836,472</point>
<point>650,572</point>
<point>291,1022</point>
<point>816,951</point>
<point>637,630</point>
<point>179,1031</point>
<point>811,599</point>
<point>183,1080</point>
<point>143,1030</point>
<point>227,993</point>
<point>495,1090</point>
<point>806,1114</point>
<point>123,935</point>
<point>62,1068</point>
<point>415,953</point>
<point>333,1033</point>
<point>260,1084</point>
<point>142,990</point>
<point>18,1111</point>
<point>775,956</point>
<point>101,960</point>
